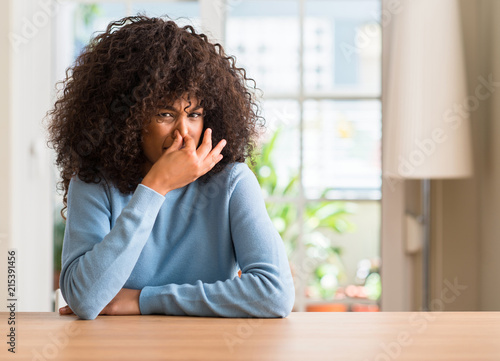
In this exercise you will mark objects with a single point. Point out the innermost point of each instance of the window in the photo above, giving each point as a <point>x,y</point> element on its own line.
<point>318,65</point>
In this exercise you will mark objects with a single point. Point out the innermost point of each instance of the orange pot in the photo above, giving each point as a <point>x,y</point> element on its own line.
<point>327,307</point>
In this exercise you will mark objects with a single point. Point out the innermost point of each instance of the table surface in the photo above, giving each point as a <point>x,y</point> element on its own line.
<point>383,336</point>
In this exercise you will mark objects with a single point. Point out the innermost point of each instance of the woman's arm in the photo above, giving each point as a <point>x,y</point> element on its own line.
<point>265,288</point>
<point>98,260</point>
<point>126,302</point>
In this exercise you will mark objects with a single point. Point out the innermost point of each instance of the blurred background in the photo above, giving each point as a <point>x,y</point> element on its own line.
<point>353,234</point>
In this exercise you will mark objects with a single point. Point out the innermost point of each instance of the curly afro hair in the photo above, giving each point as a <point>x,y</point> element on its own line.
<point>119,81</point>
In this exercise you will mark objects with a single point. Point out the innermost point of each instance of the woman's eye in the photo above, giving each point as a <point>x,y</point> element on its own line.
<point>195,115</point>
<point>164,117</point>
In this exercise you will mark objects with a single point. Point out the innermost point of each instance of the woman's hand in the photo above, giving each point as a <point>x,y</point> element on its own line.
<point>178,167</point>
<point>126,302</point>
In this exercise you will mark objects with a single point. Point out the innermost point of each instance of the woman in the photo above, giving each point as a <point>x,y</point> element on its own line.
<point>158,220</point>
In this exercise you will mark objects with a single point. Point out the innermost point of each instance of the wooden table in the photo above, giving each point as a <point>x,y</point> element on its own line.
<point>301,336</point>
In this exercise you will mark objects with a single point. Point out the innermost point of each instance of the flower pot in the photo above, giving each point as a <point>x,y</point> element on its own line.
<point>327,307</point>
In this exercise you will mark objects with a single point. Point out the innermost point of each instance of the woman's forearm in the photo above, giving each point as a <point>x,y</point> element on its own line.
<point>98,261</point>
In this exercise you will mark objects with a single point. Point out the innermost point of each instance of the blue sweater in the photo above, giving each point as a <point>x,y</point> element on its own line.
<point>183,250</point>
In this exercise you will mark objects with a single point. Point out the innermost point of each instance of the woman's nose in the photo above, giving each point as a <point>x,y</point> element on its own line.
<point>182,126</point>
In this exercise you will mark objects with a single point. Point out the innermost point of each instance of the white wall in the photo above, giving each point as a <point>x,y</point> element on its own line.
<point>5,99</point>
<point>26,183</point>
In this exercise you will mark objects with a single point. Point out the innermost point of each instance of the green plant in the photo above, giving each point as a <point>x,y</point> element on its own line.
<point>282,214</point>
<point>320,220</point>
<point>59,226</point>
<point>88,13</point>
<point>85,17</point>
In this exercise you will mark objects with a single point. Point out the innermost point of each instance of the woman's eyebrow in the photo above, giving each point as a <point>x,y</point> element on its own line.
<point>169,107</point>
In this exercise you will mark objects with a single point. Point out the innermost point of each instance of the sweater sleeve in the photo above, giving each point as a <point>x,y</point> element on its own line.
<point>265,288</point>
<point>98,260</point>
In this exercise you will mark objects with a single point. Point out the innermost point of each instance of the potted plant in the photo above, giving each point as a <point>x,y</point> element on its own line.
<point>320,219</point>
<point>59,227</point>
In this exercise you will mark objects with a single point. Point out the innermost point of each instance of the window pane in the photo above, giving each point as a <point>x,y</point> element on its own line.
<point>264,36</point>
<point>284,218</point>
<point>342,145</point>
<point>343,248</point>
<point>342,46</point>
<point>282,125</point>
<point>91,18</point>
<point>184,13</point>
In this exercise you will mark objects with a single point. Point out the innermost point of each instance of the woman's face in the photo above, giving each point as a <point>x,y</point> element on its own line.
<point>158,135</point>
